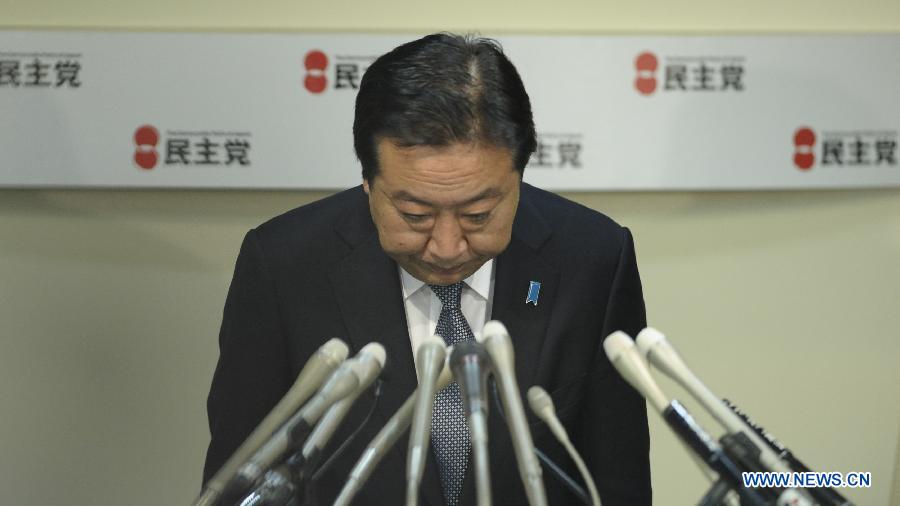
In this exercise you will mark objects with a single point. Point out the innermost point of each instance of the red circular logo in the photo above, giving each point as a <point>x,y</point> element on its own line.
<point>804,142</point>
<point>315,63</point>
<point>146,137</point>
<point>646,65</point>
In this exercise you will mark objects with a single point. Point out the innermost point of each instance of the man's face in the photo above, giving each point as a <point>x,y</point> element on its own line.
<point>442,212</point>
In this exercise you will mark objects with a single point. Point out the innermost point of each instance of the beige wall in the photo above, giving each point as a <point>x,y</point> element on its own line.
<point>110,300</point>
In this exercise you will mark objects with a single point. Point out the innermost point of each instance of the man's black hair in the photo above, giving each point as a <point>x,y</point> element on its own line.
<point>440,90</point>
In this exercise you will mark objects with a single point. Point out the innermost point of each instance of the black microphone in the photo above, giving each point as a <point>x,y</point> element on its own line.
<point>683,424</point>
<point>471,365</point>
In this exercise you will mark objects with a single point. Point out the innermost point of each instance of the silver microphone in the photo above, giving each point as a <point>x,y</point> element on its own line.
<point>430,358</point>
<point>385,440</point>
<point>542,406</point>
<point>291,435</point>
<point>367,364</point>
<point>322,363</point>
<point>471,365</point>
<point>496,340</point>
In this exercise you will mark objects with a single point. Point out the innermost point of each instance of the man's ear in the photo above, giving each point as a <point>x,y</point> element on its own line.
<point>366,186</point>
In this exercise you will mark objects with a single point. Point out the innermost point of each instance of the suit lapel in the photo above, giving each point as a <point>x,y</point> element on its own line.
<point>367,287</point>
<point>526,322</point>
<point>517,267</point>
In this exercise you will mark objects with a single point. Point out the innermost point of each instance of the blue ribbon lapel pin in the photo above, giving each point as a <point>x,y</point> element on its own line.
<point>534,290</point>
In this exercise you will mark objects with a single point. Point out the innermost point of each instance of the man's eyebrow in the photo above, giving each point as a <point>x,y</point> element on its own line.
<point>408,197</point>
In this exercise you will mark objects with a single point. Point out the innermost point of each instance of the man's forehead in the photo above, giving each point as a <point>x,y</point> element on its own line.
<point>409,196</point>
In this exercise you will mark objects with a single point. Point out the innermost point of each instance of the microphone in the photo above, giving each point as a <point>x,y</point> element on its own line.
<point>554,469</point>
<point>627,360</point>
<point>542,406</point>
<point>291,435</point>
<point>654,346</point>
<point>314,372</point>
<point>366,365</point>
<point>430,358</point>
<point>385,440</point>
<point>471,365</point>
<point>641,375</point>
<point>498,344</point>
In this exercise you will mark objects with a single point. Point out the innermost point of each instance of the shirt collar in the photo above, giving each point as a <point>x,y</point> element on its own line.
<point>479,281</point>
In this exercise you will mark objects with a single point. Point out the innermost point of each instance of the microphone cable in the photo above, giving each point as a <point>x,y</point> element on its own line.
<point>555,470</point>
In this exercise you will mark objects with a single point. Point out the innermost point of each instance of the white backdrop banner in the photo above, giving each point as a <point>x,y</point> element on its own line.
<point>206,110</point>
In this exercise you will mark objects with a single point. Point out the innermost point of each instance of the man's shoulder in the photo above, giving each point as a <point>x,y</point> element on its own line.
<point>318,227</point>
<point>571,222</point>
<point>323,212</point>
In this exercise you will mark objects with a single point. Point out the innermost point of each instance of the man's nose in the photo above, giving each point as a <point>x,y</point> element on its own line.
<point>448,243</point>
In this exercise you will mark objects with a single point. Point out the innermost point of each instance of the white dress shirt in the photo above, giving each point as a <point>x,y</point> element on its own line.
<point>423,307</point>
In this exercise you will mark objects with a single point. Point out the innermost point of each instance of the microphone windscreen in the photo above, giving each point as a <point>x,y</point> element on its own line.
<point>434,341</point>
<point>491,328</point>
<point>647,339</point>
<point>377,352</point>
<point>616,344</point>
<point>539,400</point>
<point>463,349</point>
<point>335,347</point>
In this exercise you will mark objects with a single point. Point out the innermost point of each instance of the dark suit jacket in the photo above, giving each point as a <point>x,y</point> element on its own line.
<point>318,271</point>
